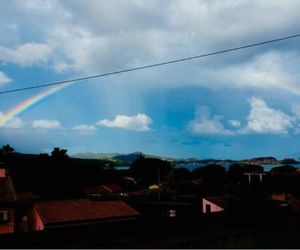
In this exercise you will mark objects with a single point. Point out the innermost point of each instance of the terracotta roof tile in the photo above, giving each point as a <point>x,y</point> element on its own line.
<point>82,210</point>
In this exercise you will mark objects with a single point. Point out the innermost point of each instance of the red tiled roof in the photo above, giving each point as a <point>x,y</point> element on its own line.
<point>82,210</point>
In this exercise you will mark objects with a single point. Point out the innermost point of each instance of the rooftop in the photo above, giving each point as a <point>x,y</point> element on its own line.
<point>71,211</point>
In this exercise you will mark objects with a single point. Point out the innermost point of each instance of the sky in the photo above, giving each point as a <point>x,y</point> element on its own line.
<point>236,105</point>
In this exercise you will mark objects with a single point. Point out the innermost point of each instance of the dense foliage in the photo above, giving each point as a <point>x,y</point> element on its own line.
<point>150,170</point>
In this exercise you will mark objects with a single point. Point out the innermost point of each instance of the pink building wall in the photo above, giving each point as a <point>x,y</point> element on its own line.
<point>37,224</point>
<point>213,207</point>
<point>32,222</point>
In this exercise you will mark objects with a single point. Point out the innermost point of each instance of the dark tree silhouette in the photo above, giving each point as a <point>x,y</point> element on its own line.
<point>285,169</point>
<point>236,173</point>
<point>244,168</point>
<point>150,170</point>
<point>285,179</point>
<point>181,173</point>
<point>182,181</point>
<point>58,153</point>
<point>210,173</point>
<point>213,177</point>
<point>6,149</point>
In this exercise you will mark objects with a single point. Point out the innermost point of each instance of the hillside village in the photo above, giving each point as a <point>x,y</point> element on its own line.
<point>45,196</point>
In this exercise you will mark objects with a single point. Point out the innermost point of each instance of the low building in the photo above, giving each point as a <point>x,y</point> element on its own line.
<point>279,197</point>
<point>213,204</point>
<point>168,209</point>
<point>281,201</point>
<point>66,213</point>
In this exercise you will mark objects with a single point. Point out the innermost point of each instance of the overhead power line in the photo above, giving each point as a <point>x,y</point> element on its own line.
<point>43,85</point>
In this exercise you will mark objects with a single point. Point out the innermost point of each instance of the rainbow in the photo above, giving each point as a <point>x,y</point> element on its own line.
<point>24,105</point>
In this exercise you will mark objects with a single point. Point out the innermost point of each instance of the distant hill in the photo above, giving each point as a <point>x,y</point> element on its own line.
<point>289,161</point>
<point>89,155</point>
<point>262,160</point>
<point>126,158</point>
<point>129,158</point>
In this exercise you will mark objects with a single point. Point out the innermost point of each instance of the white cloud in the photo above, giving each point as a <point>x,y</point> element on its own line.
<point>273,69</point>
<point>45,124</point>
<point>4,79</point>
<point>234,123</point>
<point>27,54</point>
<point>177,28</point>
<point>114,35</point>
<point>203,124</point>
<point>15,123</point>
<point>84,128</point>
<point>265,120</point>
<point>139,122</point>
<point>95,36</point>
<point>61,67</point>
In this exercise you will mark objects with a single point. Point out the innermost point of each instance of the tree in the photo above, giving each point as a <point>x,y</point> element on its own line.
<point>285,169</point>
<point>213,177</point>
<point>6,149</point>
<point>244,168</point>
<point>150,170</point>
<point>182,182</point>
<point>284,179</point>
<point>59,154</point>
<point>181,173</point>
<point>210,173</point>
<point>236,171</point>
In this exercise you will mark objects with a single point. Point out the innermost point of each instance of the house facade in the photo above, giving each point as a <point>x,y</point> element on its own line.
<point>7,202</point>
<point>213,204</point>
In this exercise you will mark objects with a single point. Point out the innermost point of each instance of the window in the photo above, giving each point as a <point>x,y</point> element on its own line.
<point>3,216</point>
<point>172,213</point>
